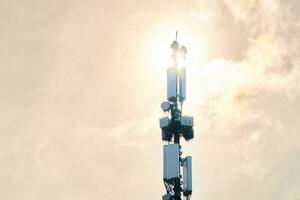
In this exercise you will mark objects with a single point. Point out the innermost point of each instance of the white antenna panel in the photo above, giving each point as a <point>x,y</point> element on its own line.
<point>172,84</point>
<point>187,175</point>
<point>171,162</point>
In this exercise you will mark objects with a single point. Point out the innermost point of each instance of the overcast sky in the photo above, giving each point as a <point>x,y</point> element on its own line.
<point>82,82</point>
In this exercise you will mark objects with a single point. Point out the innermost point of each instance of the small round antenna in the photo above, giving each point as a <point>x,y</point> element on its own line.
<point>183,51</point>
<point>165,106</point>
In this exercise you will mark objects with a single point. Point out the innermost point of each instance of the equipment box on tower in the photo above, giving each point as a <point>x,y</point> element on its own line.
<point>171,162</point>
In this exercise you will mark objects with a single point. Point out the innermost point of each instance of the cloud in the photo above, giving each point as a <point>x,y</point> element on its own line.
<point>80,103</point>
<point>256,114</point>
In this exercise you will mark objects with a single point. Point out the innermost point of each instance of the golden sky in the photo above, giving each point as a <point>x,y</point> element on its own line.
<point>82,82</point>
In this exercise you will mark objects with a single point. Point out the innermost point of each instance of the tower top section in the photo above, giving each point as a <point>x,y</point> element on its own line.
<point>178,52</point>
<point>176,73</point>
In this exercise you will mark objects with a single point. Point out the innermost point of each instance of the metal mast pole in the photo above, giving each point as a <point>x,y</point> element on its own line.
<point>174,127</point>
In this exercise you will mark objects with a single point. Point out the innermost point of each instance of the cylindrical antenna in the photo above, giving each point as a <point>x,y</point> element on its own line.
<point>176,35</point>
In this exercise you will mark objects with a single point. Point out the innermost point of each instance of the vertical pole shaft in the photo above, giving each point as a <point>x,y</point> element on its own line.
<point>176,127</point>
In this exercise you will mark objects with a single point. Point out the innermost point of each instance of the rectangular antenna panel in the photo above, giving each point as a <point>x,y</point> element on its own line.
<point>187,175</point>
<point>164,122</point>
<point>172,83</point>
<point>167,196</point>
<point>182,84</point>
<point>186,121</point>
<point>171,162</point>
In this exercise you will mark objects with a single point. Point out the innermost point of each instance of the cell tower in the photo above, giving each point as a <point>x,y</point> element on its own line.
<point>177,171</point>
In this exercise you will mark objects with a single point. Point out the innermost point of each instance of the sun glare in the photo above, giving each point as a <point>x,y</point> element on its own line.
<point>204,78</point>
<point>161,51</point>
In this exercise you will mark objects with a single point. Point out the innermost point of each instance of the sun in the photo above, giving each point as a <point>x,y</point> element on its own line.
<point>161,50</point>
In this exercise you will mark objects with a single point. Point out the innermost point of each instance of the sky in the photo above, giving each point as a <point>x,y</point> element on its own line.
<point>82,82</point>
